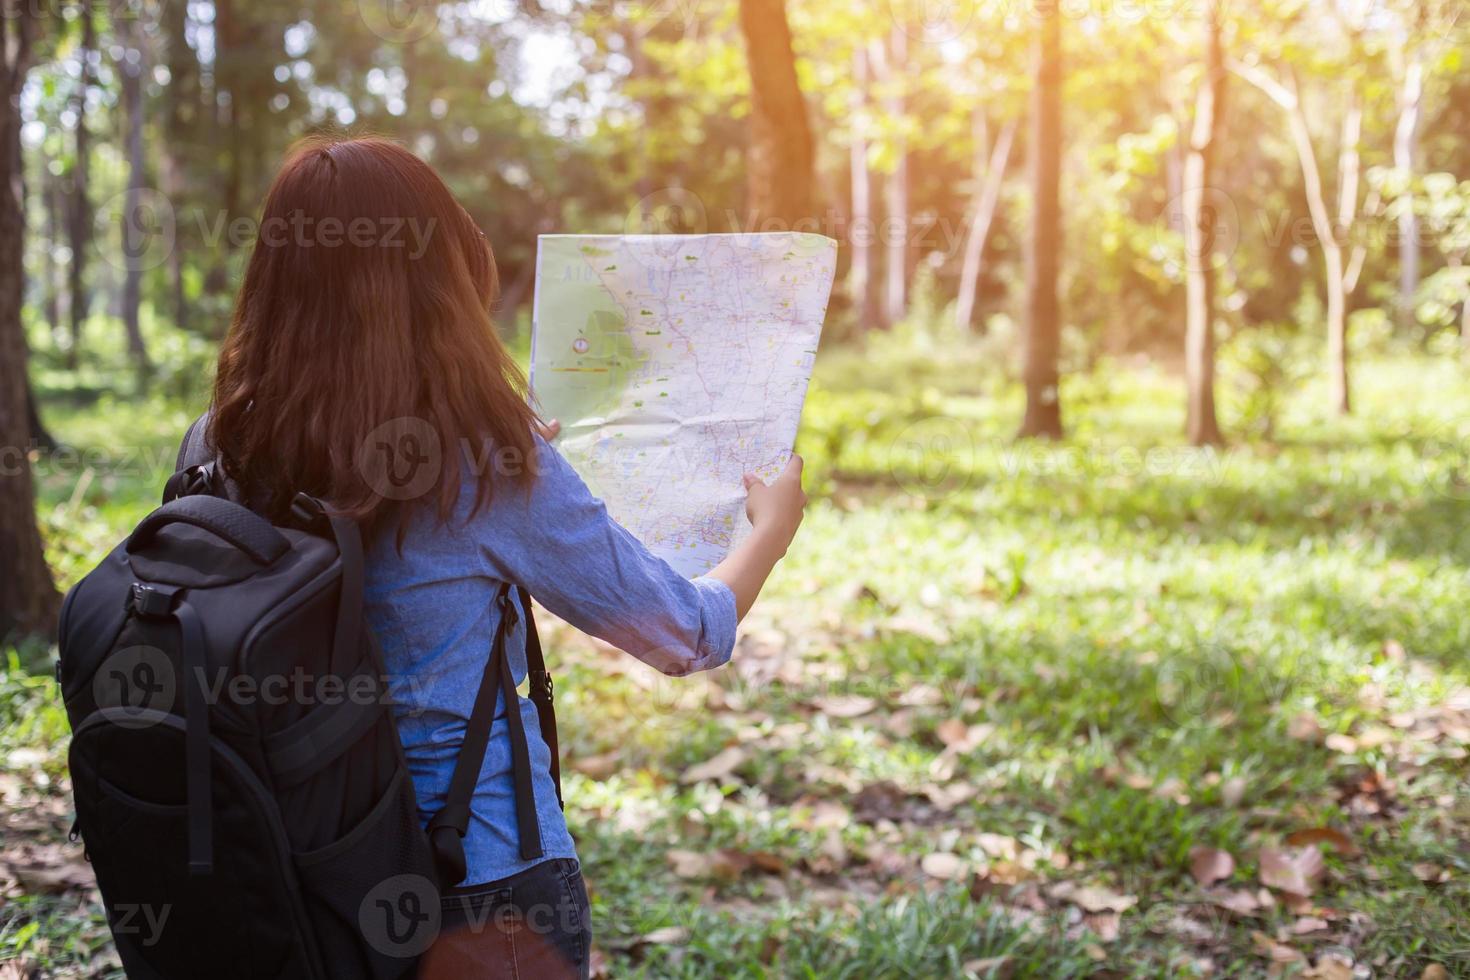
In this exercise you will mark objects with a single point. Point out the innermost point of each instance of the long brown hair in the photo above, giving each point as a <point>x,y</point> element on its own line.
<point>363,320</point>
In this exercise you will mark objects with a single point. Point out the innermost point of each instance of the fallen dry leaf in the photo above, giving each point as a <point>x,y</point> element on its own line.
<point>1293,870</point>
<point>1304,727</point>
<point>1274,951</point>
<point>667,936</point>
<point>1210,864</point>
<point>1330,966</point>
<point>719,765</point>
<point>1232,791</point>
<point>1240,901</point>
<point>944,865</point>
<point>1338,742</point>
<point>688,864</point>
<point>1430,874</point>
<point>1093,898</point>
<point>845,705</point>
<point>1338,840</point>
<point>48,869</point>
<point>598,767</point>
<point>990,968</point>
<point>1309,923</point>
<point>1105,925</point>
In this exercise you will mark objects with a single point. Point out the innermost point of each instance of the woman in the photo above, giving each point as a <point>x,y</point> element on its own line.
<point>361,357</point>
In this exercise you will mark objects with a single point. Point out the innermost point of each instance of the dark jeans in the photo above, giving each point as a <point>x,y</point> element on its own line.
<point>531,925</point>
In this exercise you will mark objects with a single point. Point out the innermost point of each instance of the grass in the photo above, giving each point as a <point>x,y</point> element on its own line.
<point>1047,664</point>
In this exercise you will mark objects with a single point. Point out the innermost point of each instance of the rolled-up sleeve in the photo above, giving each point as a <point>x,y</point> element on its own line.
<point>559,542</point>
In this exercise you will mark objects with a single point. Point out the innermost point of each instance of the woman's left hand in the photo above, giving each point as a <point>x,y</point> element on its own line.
<point>549,429</point>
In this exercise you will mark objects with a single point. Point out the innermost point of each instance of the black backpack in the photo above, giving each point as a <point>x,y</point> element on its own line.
<point>238,777</point>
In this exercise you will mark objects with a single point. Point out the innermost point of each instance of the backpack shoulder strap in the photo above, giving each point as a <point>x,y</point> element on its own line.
<point>541,691</point>
<point>193,450</point>
<point>450,824</point>
<point>196,469</point>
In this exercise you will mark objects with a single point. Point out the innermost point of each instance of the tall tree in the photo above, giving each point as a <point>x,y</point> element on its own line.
<point>860,278</point>
<point>183,116</point>
<point>1201,426</point>
<point>28,599</point>
<point>781,160</point>
<point>1405,153</point>
<point>1042,348</point>
<point>134,234</point>
<point>990,171</point>
<point>896,187</point>
<point>1333,232</point>
<point>79,214</point>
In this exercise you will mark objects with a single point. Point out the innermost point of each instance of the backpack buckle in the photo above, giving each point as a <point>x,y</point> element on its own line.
<point>507,609</point>
<point>151,601</point>
<point>541,687</point>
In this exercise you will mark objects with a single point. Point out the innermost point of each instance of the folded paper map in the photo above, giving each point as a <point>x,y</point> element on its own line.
<point>676,364</point>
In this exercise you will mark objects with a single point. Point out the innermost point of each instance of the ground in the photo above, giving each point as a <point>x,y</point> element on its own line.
<point>1104,708</point>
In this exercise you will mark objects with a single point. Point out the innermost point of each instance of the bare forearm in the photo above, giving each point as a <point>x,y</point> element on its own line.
<point>746,569</point>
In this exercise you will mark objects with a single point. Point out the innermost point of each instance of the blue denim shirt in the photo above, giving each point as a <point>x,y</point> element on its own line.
<point>432,609</point>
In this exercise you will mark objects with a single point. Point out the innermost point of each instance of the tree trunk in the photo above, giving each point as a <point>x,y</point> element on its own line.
<point>781,158</point>
<point>1201,426</point>
<point>39,436</point>
<point>183,108</point>
<point>1405,140</point>
<point>1043,319</point>
<point>896,189</point>
<point>79,218</point>
<point>1331,236</point>
<point>860,281</point>
<point>28,599</point>
<point>50,269</point>
<point>990,174</point>
<point>1349,169</point>
<point>135,236</point>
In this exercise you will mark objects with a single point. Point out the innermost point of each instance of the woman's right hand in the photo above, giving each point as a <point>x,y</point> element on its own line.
<point>775,509</point>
